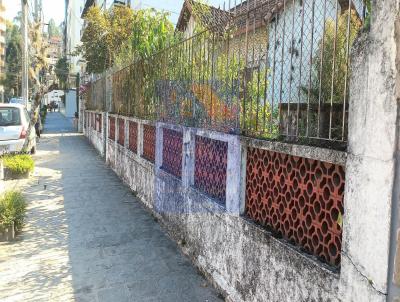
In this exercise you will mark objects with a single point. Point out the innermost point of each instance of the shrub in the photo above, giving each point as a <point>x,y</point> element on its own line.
<point>12,209</point>
<point>43,114</point>
<point>19,163</point>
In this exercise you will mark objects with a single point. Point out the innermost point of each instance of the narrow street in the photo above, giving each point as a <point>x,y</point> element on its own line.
<point>87,238</point>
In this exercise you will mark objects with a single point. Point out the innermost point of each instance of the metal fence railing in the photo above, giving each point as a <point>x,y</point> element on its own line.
<point>274,70</point>
<point>95,94</point>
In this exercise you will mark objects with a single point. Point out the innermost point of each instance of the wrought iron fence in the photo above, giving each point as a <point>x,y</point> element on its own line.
<point>95,95</point>
<point>275,69</point>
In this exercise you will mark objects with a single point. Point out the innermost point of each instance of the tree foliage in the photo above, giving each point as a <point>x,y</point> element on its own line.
<point>53,29</point>
<point>62,71</point>
<point>122,35</point>
<point>12,77</point>
<point>38,59</point>
<point>151,31</point>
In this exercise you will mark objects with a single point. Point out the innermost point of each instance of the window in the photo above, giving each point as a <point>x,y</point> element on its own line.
<point>10,116</point>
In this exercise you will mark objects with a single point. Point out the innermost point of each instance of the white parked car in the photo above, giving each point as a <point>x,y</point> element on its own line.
<point>17,101</point>
<point>21,101</point>
<point>14,123</point>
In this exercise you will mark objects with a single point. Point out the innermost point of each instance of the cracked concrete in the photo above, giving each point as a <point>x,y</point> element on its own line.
<point>87,238</point>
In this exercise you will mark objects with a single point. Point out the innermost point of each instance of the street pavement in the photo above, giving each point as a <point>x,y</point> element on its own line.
<point>87,238</point>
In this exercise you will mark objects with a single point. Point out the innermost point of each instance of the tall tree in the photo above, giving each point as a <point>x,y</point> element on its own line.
<point>103,36</point>
<point>39,63</point>
<point>53,29</point>
<point>12,78</point>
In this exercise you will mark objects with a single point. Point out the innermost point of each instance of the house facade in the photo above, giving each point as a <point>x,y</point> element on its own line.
<point>294,57</point>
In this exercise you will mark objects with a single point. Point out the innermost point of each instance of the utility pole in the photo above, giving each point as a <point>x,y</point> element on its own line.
<point>38,10</point>
<point>25,58</point>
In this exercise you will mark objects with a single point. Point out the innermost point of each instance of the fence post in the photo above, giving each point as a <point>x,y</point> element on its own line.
<point>370,167</point>
<point>234,203</point>
<point>109,95</point>
<point>82,118</point>
<point>242,183</point>
<point>104,125</point>
<point>126,131</point>
<point>159,146</point>
<point>188,157</point>
<point>140,139</point>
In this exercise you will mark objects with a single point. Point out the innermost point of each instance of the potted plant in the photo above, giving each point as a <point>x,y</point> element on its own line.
<point>12,214</point>
<point>17,166</point>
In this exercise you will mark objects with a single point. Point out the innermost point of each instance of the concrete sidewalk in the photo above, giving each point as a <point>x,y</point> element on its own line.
<point>58,123</point>
<point>88,238</point>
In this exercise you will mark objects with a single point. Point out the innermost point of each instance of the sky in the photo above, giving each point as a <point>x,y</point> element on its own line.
<point>51,9</point>
<point>173,6</point>
<point>55,8</point>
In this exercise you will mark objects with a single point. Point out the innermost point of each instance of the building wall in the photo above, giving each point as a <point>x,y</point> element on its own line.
<point>74,25</point>
<point>70,103</point>
<point>289,54</point>
<point>294,39</point>
<point>189,31</point>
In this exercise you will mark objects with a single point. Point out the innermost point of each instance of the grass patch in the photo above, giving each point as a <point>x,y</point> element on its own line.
<point>12,210</point>
<point>18,163</point>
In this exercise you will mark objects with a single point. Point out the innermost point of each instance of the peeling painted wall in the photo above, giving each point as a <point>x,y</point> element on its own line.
<point>244,260</point>
<point>95,137</point>
<point>134,170</point>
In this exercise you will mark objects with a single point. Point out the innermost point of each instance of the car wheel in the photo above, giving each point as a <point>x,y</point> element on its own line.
<point>33,150</point>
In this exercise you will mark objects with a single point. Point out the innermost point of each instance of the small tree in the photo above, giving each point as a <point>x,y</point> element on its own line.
<point>62,71</point>
<point>151,31</point>
<point>53,29</point>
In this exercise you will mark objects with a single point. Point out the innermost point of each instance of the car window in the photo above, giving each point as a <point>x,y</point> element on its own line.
<point>10,116</point>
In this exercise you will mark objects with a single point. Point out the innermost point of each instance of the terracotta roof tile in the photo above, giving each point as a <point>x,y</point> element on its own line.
<point>209,16</point>
<point>256,11</point>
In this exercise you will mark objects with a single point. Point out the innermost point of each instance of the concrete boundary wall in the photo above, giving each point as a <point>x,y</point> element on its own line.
<point>95,137</point>
<point>134,170</point>
<point>245,261</point>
